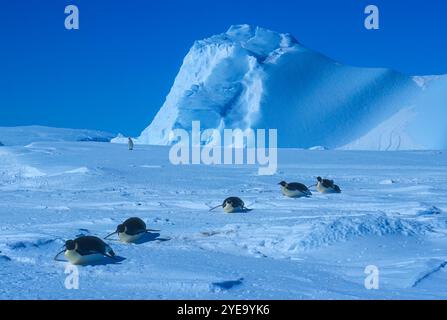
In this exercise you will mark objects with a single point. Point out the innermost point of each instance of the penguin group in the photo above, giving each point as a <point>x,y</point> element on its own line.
<point>86,250</point>
<point>297,190</point>
<point>327,186</point>
<point>291,190</point>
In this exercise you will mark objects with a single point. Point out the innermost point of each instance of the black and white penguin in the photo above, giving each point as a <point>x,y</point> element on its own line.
<point>232,205</point>
<point>131,230</point>
<point>86,250</point>
<point>327,186</point>
<point>294,189</point>
<point>130,143</point>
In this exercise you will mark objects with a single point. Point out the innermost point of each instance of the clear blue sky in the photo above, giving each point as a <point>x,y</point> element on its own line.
<point>115,72</point>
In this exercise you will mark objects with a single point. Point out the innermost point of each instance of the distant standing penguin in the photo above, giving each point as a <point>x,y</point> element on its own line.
<point>294,190</point>
<point>327,186</point>
<point>130,143</point>
<point>232,205</point>
<point>86,250</point>
<point>131,230</point>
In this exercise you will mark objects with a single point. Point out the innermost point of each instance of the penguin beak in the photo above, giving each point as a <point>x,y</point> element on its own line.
<point>56,256</point>
<point>219,206</point>
<point>111,235</point>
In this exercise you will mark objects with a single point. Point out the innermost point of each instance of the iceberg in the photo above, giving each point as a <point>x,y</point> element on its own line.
<point>250,77</point>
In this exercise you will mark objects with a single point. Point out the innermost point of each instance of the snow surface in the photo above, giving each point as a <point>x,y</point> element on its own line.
<point>21,136</point>
<point>250,77</point>
<point>392,214</point>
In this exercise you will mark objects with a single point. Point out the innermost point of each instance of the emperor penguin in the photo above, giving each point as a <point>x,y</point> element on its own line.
<point>130,143</point>
<point>232,205</point>
<point>327,186</point>
<point>131,230</point>
<point>294,190</point>
<point>86,250</point>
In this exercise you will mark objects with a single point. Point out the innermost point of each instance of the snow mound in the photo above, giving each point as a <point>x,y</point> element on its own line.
<point>30,172</point>
<point>81,170</point>
<point>120,138</point>
<point>387,182</point>
<point>318,148</point>
<point>22,136</point>
<point>347,228</point>
<point>250,77</point>
<point>284,242</point>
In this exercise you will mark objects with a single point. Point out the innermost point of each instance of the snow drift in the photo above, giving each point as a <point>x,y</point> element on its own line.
<point>250,77</point>
<point>392,213</point>
<point>21,136</point>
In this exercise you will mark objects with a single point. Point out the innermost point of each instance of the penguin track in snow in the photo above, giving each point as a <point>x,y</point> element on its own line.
<point>433,210</point>
<point>226,285</point>
<point>4,258</point>
<point>25,244</point>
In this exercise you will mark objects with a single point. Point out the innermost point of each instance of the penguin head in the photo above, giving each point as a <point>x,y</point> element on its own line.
<point>121,228</point>
<point>319,179</point>
<point>283,184</point>
<point>70,245</point>
<point>227,202</point>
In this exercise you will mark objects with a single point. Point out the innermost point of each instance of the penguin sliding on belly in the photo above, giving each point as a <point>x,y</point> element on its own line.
<point>232,205</point>
<point>327,186</point>
<point>86,250</point>
<point>294,190</point>
<point>131,230</point>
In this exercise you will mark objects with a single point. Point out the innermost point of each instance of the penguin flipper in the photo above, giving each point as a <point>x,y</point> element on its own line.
<point>113,257</point>
<point>328,183</point>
